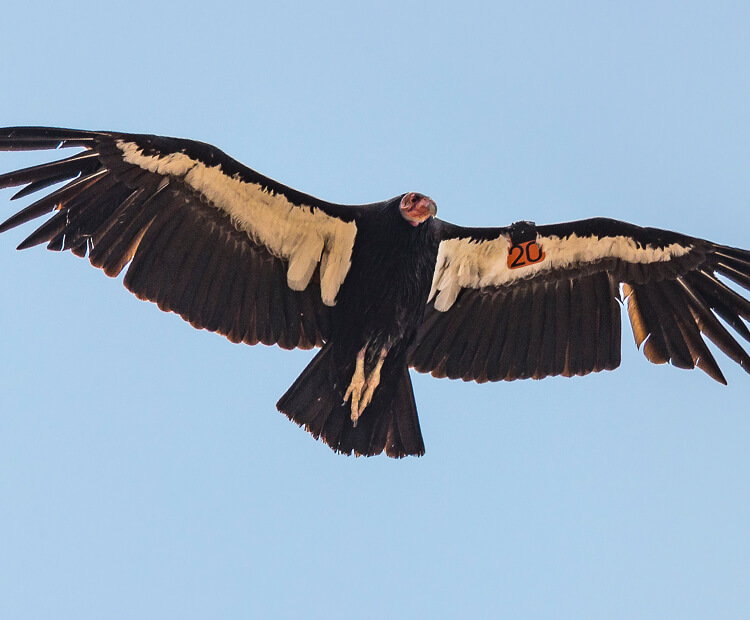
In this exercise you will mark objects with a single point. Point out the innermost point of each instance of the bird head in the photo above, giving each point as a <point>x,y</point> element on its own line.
<point>417,208</point>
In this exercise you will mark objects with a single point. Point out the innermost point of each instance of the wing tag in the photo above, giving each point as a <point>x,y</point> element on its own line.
<point>524,254</point>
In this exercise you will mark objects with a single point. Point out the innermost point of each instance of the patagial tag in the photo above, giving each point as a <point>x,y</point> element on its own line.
<point>524,254</point>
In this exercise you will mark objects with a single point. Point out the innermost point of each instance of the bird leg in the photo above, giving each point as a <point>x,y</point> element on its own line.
<point>362,388</point>
<point>357,384</point>
<point>372,382</point>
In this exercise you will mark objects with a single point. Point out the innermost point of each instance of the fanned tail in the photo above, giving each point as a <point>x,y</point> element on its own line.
<point>389,422</point>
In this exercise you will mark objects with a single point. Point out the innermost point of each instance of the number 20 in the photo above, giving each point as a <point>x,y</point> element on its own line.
<point>523,254</point>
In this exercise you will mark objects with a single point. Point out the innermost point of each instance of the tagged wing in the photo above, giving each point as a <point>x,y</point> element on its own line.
<point>204,236</point>
<point>530,302</point>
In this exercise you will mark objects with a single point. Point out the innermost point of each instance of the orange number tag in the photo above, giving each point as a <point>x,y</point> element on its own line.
<point>524,254</point>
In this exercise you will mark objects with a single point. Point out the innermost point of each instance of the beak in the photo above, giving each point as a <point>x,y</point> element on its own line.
<point>425,208</point>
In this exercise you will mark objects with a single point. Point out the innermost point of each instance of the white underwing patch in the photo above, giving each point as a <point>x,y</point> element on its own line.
<point>304,236</point>
<point>467,263</point>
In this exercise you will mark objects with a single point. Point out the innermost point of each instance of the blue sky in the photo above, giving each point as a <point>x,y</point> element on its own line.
<point>144,471</point>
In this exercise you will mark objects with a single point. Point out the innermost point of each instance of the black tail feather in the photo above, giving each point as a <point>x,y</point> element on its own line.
<point>389,422</point>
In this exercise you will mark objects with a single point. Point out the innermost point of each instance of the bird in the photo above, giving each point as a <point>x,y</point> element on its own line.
<point>379,288</point>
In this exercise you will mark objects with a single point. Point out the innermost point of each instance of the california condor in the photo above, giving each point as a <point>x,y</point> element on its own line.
<point>380,287</point>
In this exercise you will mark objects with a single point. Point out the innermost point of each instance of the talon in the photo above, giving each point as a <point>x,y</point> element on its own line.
<point>361,388</point>
<point>372,382</point>
<point>354,391</point>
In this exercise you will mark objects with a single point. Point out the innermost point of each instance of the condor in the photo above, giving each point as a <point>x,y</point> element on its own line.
<point>379,287</point>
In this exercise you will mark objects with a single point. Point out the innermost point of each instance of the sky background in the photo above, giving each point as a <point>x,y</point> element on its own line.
<point>144,470</point>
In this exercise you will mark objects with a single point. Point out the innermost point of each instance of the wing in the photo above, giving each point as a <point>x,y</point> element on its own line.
<point>526,301</point>
<point>204,236</point>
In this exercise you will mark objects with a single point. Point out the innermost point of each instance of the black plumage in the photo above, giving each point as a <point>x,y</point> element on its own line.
<point>380,287</point>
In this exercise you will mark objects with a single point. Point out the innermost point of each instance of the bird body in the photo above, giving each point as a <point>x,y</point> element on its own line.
<point>377,315</point>
<point>386,289</point>
<point>381,288</point>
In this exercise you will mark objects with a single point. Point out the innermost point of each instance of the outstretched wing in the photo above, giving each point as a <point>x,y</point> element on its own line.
<point>526,301</point>
<point>206,237</point>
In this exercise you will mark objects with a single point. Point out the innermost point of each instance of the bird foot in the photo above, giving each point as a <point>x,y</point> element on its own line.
<point>362,388</point>
<point>354,391</point>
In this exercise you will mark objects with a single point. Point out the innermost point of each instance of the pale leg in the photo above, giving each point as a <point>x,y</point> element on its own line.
<point>372,382</point>
<point>357,385</point>
<point>362,388</point>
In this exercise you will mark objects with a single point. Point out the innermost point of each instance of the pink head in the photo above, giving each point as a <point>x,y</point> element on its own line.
<point>417,208</point>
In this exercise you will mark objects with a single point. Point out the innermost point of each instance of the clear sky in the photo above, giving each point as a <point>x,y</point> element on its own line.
<point>144,471</point>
